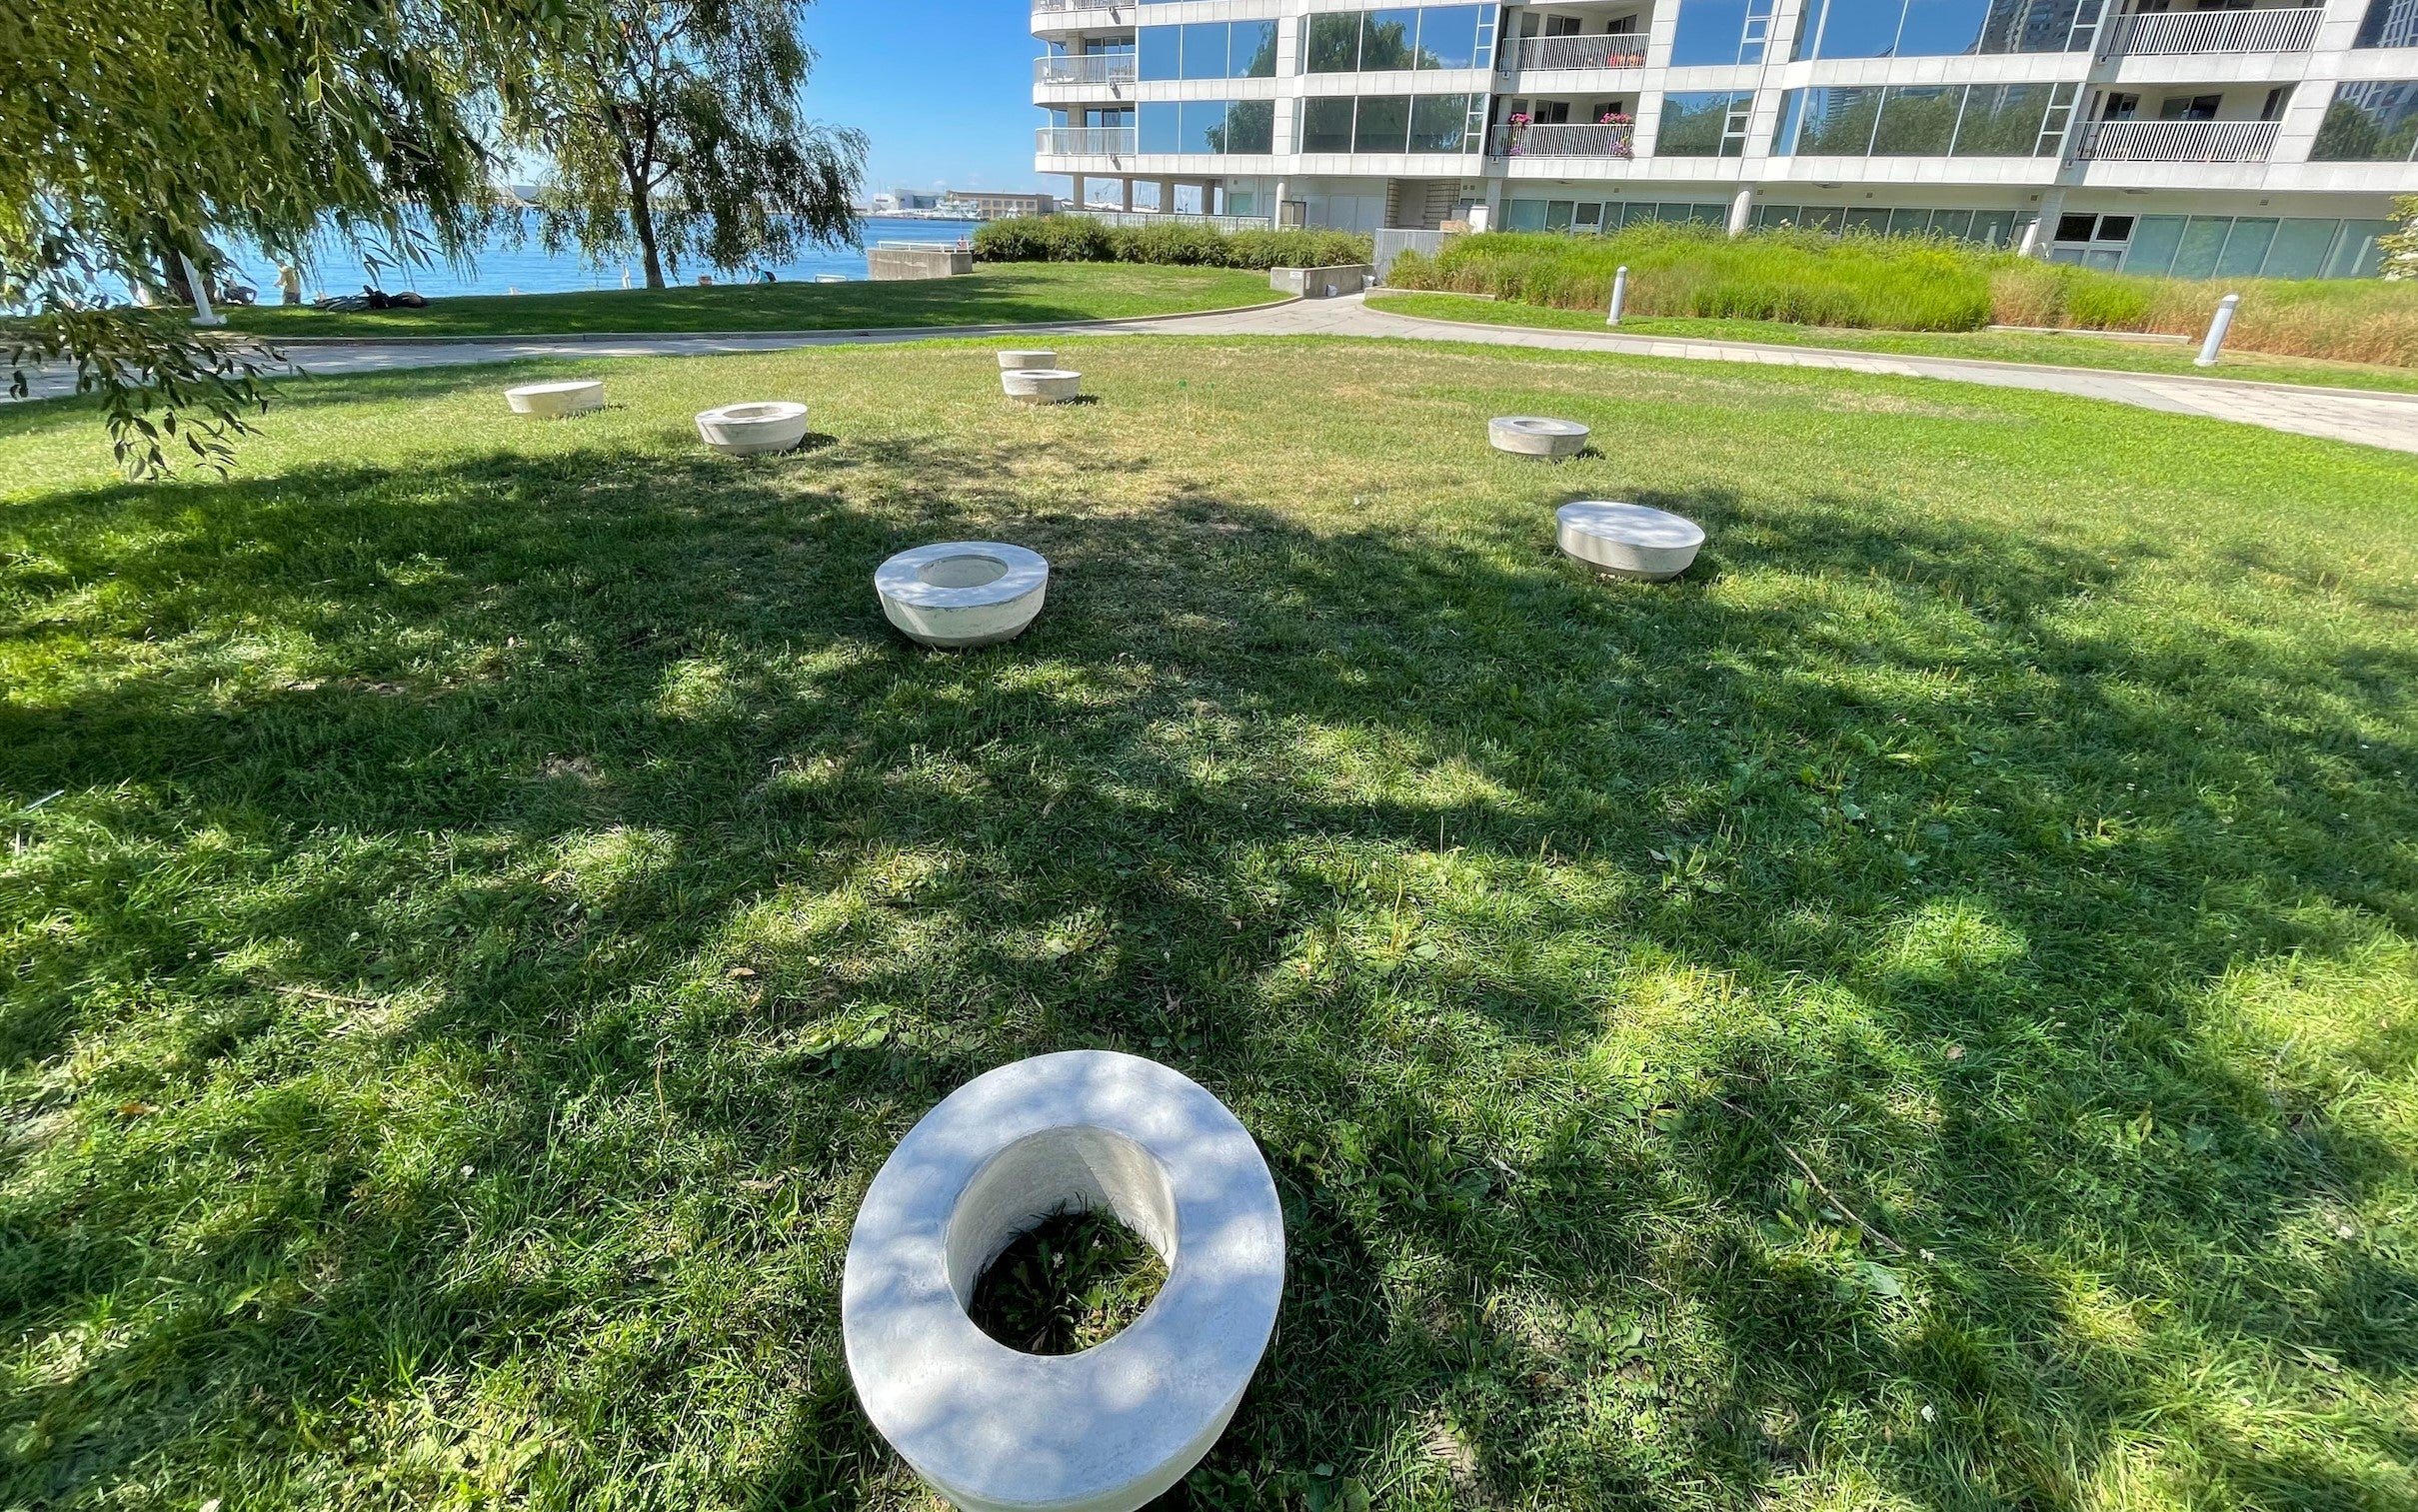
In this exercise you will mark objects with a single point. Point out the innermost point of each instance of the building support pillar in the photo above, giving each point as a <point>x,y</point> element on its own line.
<point>1166,195</point>
<point>1079,191</point>
<point>1742,211</point>
<point>1129,191</point>
<point>2043,229</point>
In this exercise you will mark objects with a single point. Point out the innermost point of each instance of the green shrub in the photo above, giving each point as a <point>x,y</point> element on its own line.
<point>1081,239</point>
<point>1910,284</point>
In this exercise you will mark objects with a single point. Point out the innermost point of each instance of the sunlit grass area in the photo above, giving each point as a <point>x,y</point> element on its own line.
<point>993,294</point>
<point>2052,348</point>
<point>1920,1013</point>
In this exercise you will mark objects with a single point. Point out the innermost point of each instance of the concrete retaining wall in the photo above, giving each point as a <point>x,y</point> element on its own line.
<point>892,262</point>
<point>1320,283</point>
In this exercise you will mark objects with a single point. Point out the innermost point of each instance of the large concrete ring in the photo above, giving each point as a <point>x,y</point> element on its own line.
<point>555,400</point>
<point>1041,386</point>
<point>963,593</point>
<point>753,430</point>
<point>1027,362</point>
<point>995,1430</point>
<point>1530,436</point>
<point>1629,540</point>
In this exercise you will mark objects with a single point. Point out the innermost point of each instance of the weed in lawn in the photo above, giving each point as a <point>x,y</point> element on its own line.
<point>1073,1281</point>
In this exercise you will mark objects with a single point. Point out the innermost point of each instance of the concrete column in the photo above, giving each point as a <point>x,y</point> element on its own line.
<point>1129,190</point>
<point>1742,211</point>
<point>2043,228</point>
<point>1166,195</point>
<point>1079,191</point>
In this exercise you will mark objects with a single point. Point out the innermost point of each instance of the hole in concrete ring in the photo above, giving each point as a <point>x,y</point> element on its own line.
<point>963,571</point>
<point>1060,1245</point>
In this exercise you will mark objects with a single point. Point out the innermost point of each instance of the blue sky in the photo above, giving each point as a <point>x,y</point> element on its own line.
<point>943,86</point>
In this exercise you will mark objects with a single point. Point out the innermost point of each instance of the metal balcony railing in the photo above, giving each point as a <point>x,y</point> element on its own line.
<point>2176,141</point>
<point>1043,7</point>
<point>1576,141</point>
<point>2165,33</point>
<point>1098,68</point>
<point>1618,50</point>
<point>1087,142</point>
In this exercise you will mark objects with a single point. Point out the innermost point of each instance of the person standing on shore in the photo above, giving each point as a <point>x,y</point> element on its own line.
<point>289,282</point>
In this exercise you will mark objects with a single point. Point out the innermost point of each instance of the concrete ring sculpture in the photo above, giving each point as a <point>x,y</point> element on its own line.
<point>993,1429</point>
<point>1531,435</point>
<point>753,430</point>
<point>963,593</point>
<point>1041,386</point>
<point>1629,540</point>
<point>1027,362</point>
<point>556,400</point>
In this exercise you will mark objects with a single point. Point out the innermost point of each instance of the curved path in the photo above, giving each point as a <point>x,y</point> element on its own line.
<point>2372,419</point>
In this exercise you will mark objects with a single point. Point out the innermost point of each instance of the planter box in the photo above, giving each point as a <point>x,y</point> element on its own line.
<point>893,264</point>
<point>1320,283</point>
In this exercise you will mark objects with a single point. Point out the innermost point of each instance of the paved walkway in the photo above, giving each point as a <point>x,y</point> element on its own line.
<point>2372,419</point>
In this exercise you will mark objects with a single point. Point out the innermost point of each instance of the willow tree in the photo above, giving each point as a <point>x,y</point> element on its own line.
<point>676,130</point>
<point>134,131</point>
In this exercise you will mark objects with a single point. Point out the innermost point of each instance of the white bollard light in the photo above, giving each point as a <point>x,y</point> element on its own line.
<point>993,1429</point>
<point>2217,329</point>
<point>1619,293</point>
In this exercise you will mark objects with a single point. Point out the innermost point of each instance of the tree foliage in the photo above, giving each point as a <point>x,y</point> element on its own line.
<point>676,130</point>
<point>2401,247</point>
<point>133,130</point>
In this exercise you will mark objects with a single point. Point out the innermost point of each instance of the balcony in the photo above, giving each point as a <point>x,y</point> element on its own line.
<point>1097,68</point>
<point>2176,142</point>
<point>2168,33</point>
<point>1617,50</point>
<point>1573,141</point>
<point>1087,142</point>
<point>1047,7</point>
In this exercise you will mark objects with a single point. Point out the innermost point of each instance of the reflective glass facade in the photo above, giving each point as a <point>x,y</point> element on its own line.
<point>1246,127</point>
<point>1209,50</point>
<point>1943,28</point>
<point>2375,122</point>
<point>1704,125</point>
<point>1930,120</point>
<point>1406,39</point>
<point>1392,123</point>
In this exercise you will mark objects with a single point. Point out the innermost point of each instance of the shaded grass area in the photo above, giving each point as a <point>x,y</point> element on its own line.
<point>1921,1013</point>
<point>993,294</point>
<point>1986,346</point>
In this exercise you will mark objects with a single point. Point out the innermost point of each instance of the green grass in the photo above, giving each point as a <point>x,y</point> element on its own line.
<point>995,293</point>
<point>508,893</point>
<point>1071,1285</point>
<point>1990,346</point>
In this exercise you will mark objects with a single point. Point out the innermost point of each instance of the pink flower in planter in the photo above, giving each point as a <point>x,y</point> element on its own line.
<point>1519,120</point>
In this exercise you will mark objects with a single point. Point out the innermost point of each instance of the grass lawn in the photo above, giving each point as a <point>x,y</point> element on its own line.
<point>1920,1014</point>
<point>1994,346</point>
<point>995,293</point>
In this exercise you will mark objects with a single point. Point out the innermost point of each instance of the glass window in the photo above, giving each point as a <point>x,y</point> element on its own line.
<point>2246,249</point>
<point>1162,52</point>
<point>1161,130</point>
<point>1830,122</point>
<point>1385,124</point>
<point>2369,123</point>
<point>1955,223</point>
<point>1696,125</point>
<point>2203,240</point>
<point>1389,40</point>
<point>1943,28</point>
<point>1712,32</point>
<point>1869,222</point>
<point>1205,126</point>
<point>1918,121</point>
<point>1251,127</point>
<point>2356,254</point>
<point>2389,23</point>
<point>1254,50</point>
<point>1588,218</point>
<point>1335,43</point>
<point>1448,37</point>
<point>1525,215</point>
<point>1205,50</point>
<point>1326,125</point>
<point>1439,123</point>
<point>1855,28</point>
<point>2299,250</point>
<point>1558,214</point>
<point>2003,120</point>
<point>2154,240</point>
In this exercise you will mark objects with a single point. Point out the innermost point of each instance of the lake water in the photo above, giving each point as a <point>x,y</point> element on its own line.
<point>528,269</point>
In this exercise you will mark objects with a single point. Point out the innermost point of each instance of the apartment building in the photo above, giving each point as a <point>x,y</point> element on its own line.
<point>2161,136</point>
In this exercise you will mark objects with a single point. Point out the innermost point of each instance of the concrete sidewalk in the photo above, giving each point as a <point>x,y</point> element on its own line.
<point>2378,418</point>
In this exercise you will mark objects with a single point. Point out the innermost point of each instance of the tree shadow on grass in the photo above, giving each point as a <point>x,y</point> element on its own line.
<point>646,889</point>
